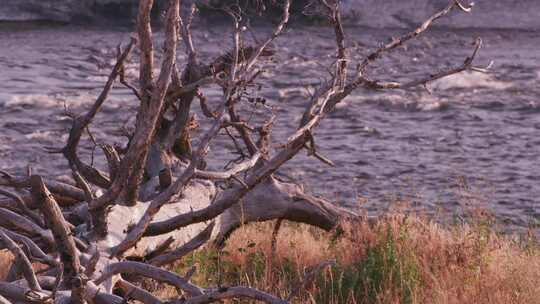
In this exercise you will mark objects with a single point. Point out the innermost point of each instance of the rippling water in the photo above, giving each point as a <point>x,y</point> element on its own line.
<point>473,142</point>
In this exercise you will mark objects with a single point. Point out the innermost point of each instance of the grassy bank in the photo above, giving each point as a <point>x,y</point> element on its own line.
<point>397,260</point>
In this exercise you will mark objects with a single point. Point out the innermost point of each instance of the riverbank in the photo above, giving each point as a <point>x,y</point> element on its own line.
<point>398,259</point>
<point>500,14</point>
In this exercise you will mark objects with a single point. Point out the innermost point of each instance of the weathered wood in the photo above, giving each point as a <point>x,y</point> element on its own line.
<point>65,244</point>
<point>32,250</point>
<point>22,294</point>
<point>56,187</point>
<point>12,220</point>
<point>152,272</point>
<point>80,124</point>
<point>156,198</point>
<point>139,294</point>
<point>4,300</point>
<point>176,254</point>
<point>225,293</point>
<point>22,260</point>
<point>198,194</point>
<point>21,205</point>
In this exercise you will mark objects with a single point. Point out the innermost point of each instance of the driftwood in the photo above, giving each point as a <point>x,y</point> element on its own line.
<point>157,202</point>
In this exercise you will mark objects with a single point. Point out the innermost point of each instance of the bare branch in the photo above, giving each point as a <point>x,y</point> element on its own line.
<point>241,128</point>
<point>190,87</point>
<point>335,13</point>
<point>83,184</point>
<point>122,76</point>
<point>156,101</point>
<point>139,294</point>
<point>95,295</point>
<point>277,31</point>
<point>23,294</point>
<point>146,46</point>
<point>185,31</point>
<point>309,278</point>
<point>149,271</point>
<point>224,175</point>
<point>81,123</point>
<point>4,300</point>
<point>467,65</point>
<point>225,293</point>
<point>22,259</point>
<point>204,106</point>
<point>59,189</point>
<point>169,257</point>
<point>22,207</point>
<point>177,188</point>
<point>160,249</point>
<point>113,159</point>
<point>90,267</point>
<point>131,167</point>
<point>32,250</point>
<point>396,42</point>
<point>12,220</point>
<point>65,243</point>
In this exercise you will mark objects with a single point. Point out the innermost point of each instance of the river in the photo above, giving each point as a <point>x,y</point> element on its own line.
<point>469,142</point>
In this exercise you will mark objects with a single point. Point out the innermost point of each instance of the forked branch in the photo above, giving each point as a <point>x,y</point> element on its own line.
<point>182,205</point>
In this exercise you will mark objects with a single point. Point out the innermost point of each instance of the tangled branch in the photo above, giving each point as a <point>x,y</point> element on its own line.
<point>158,202</point>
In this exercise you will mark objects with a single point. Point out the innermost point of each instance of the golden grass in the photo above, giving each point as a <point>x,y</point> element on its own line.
<point>398,260</point>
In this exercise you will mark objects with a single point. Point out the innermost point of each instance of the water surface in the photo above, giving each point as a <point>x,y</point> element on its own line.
<point>470,141</point>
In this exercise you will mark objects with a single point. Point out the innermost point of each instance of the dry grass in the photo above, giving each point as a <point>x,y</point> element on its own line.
<point>398,260</point>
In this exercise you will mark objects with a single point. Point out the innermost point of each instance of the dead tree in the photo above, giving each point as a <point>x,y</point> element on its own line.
<point>157,202</point>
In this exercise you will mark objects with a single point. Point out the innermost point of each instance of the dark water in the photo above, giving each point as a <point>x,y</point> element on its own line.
<point>472,143</point>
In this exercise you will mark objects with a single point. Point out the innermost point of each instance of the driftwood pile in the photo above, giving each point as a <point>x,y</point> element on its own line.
<point>156,202</point>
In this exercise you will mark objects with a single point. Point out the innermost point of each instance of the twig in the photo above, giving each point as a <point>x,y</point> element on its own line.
<point>177,188</point>
<point>149,271</point>
<point>169,257</point>
<point>309,278</point>
<point>131,166</point>
<point>204,105</point>
<point>224,175</point>
<point>92,262</point>
<point>32,250</point>
<point>138,293</point>
<point>396,42</point>
<point>467,65</point>
<point>224,293</point>
<point>22,259</point>
<point>81,123</point>
<point>13,220</point>
<point>160,249</point>
<point>22,207</point>
<point>235,142</point>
